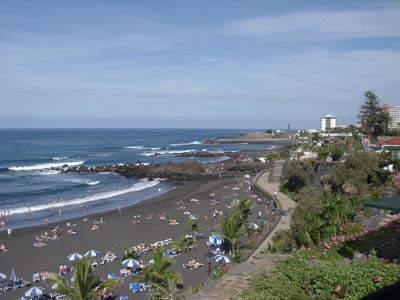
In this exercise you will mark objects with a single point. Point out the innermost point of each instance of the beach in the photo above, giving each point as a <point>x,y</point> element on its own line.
<point>129,227</point>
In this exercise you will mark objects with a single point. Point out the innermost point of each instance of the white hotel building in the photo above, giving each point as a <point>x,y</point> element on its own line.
<point>328,122</point>
<point>394,117</point>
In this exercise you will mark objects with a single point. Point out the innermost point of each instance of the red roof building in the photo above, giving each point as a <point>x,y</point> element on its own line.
<point>394,141</point>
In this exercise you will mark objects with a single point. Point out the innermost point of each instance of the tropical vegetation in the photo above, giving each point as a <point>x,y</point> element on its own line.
<point>85,286</point>
<point>319,274</point>
<point>164,283</point>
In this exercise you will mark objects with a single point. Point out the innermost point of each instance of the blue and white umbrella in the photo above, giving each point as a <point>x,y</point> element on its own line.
<point>113,276</point>
<point>215,240</point>
<point>92,253</point>
<point>13,278</point>
<point>131,263</point>
<point>3,276</point>
<point>223,260</point>
<point>34,292</point>
<point>74,257</point>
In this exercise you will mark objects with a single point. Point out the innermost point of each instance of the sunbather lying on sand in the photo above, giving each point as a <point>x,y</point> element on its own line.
<point>3,248</point>
<point>193,264</point>
<point>173,222</point>
<point>72,231</point>
<point>39,244</point>
<point>94,227</point>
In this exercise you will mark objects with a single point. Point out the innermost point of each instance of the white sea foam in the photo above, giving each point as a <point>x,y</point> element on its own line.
<point>186,144</point>
<point>134,147</point>
<point>46,166</point>
<point>155,148</point>
<point>48,172</point>
<point>60,158</point>
<point>95,197</point>
<point>167,152</point>
<point>92,182</point>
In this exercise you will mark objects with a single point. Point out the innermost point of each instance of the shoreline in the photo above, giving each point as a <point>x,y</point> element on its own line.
<point>173,186</point>
<point>118,230</point>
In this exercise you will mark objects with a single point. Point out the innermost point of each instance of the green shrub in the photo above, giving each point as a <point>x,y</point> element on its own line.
<point>297,174</point>
<point>282,242</point>
<point>317,274</point>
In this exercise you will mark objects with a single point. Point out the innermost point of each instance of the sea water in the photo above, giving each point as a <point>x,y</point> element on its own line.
<point>33,190</point>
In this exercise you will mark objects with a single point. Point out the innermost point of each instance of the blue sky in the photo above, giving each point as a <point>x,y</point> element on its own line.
<point>194,64</point>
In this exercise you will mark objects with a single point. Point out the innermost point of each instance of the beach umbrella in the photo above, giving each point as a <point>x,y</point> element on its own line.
<point>215,240</point>
<point>34,292</point>
<point>3,276</point>
<point>74,257</point>
<point>13,278</point>
<point>223,260</point>
<point>92,253</point>
<point>113,276</point>
<point>131,263</point>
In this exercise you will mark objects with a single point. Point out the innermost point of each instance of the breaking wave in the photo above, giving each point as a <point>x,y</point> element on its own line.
<point>134,147</point>
<point>46,166</point>
<point>93,182</point>
<point>95,197</point>
<point>60,158</point>
<point>167,153</point>
<point>186,144</point>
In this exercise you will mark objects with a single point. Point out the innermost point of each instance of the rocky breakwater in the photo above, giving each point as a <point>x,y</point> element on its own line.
<point>189,170</point>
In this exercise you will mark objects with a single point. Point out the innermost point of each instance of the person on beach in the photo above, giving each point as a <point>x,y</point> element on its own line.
<point>9,231</point>
<point>205,217</point>
<point>3,248</point>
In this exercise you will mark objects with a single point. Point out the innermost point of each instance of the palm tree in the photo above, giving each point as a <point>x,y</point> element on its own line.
<point>157,272</point>
<point>85,286</point>
<point>182,244</point>
<point>167,291</point>
<point>243,208</point>
<point>231,230</point>
<point>130,253</point>
<point>330,215</point>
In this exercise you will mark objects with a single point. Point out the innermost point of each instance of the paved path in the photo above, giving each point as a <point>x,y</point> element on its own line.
<point>236,279</point>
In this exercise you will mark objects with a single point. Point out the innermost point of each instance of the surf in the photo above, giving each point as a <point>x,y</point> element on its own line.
<point>186,144</point>
<point>92,198</point>
<point>47,166</point>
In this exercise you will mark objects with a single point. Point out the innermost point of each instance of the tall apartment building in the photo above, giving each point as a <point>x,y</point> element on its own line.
<point>394,117</point>
<point>328,122</point>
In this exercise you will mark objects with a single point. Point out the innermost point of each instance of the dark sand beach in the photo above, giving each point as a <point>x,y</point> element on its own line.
<point>118,230</point>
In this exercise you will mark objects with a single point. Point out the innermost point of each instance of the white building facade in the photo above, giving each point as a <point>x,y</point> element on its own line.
<point>394,117</point>
<point>328,122</point>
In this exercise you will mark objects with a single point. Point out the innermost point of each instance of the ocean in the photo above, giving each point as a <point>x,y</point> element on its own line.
<point>33,194</point>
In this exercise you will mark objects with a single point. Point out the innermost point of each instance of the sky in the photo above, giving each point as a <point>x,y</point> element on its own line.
<point>194,64</point>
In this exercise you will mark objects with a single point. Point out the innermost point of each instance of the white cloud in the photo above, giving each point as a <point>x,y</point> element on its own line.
<point>319,25</point>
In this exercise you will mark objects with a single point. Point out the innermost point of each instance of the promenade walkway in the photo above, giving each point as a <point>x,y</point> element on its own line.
<point>236,279</point>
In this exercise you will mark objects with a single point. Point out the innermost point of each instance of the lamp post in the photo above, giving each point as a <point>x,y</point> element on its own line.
<point>208,258</point>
